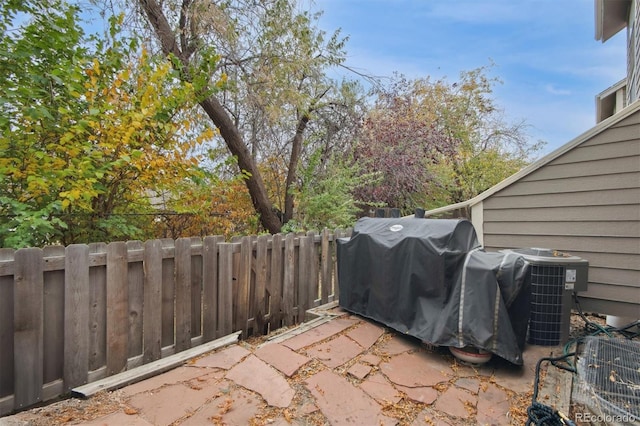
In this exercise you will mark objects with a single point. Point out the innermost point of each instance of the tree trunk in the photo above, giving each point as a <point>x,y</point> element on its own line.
<point>296,150</point>
<point>215,111</point>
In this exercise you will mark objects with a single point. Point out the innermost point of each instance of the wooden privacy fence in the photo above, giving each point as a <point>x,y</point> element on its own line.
<point>73,315</point>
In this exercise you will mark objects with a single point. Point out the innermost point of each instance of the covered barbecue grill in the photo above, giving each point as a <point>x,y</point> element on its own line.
<point>431,279</point>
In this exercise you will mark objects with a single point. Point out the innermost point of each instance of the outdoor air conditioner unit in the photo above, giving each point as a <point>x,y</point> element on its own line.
<point>554,277</point>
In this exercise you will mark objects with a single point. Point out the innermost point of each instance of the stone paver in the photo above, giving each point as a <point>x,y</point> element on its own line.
<point>260,377</point>
<point>412,370</point>
<point>397,345</point>
<point>359,371</point>
<point>170,403</point>
<point>493,406</point>
<point>224,359</point>
<point>118,418</point>
<point>429,417</point>
<point>379,388</point>
<point>426,395</point>
<point>366,334</point>
<point>319,333</point>
<point>237,408</point>
<point>177,375</point>
<point>282,358</point>
<point>341,402</point>
<point>468,383</point>
<point>456,402</point>
<point>335,352</point>
<point>370,359</point>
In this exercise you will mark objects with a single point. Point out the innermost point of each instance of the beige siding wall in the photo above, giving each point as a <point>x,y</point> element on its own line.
<point>586,202</point>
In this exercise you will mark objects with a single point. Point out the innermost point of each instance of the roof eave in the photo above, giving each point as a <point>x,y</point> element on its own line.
<point>611,17</point>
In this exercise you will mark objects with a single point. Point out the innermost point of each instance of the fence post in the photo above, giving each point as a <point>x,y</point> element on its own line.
<point>76,316</point>
<point>28,327</point>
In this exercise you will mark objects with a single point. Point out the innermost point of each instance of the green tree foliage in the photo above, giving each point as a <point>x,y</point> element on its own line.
<point>86,137</point>
<point>326,192</point>
<point>439,143</point>
<point>276,60</point>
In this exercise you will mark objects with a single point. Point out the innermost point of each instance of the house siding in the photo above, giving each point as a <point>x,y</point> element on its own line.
<point>585,202</point>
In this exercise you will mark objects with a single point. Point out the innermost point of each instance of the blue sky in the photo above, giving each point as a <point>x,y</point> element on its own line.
<point>544,51</point>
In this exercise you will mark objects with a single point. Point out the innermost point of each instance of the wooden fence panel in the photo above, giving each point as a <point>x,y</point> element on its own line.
<point>28,327</point>
<point>275,283</point>
<point>210,287</point>
<point>225,294</point>
<point>183,293</point>
<point>135,280</point>
<point>168,293</point>
<point>97,309</point>
<point>152,313</point>
<point>117,308</point>
<point>76,316</point>
<point>6,328</point>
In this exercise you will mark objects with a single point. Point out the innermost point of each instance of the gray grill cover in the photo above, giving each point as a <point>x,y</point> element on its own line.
<point>414,275</point>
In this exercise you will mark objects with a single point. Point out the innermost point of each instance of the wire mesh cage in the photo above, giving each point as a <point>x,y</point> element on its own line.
<point>609,378</point>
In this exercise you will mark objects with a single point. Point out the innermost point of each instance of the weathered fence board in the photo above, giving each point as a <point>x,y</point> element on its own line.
<point>117,308</point>
<point>196,288</point>
<point>6,327</point>
<point>135,279</point>
<point>242,284</point>
<point>275,282</point>
<point>168,294</point>
<point>152,313</point>
<point>225,295</point>
<point>71,316</point>
<point>76,316</point>
<point>183,293</point>
<point>97,309</point>
<point>53,319</point>
<point>28,327</point>
<point>288,281</point>
<point>210,287</point>
<point>260,299</point>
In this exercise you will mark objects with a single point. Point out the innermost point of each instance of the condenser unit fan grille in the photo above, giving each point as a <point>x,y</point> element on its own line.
<point>547,285</point>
